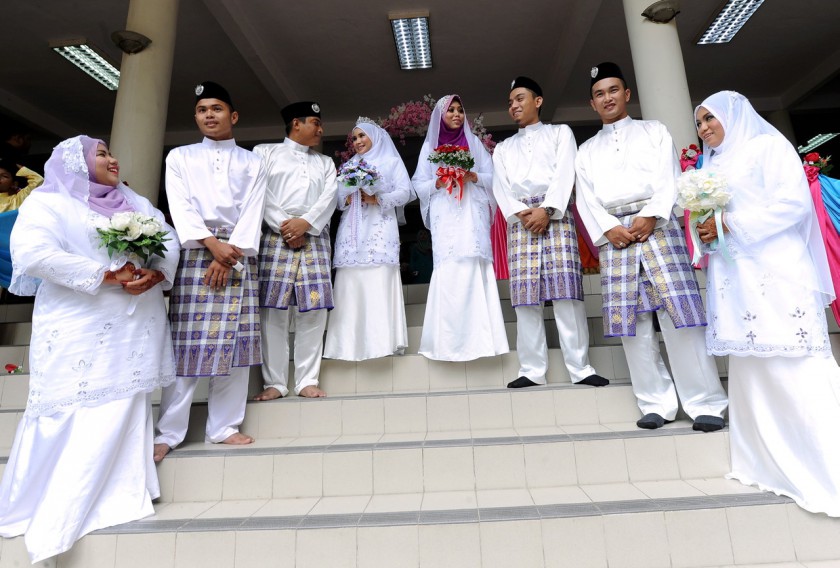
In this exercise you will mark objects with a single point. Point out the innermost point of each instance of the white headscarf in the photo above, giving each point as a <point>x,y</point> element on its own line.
<point>739,120</point>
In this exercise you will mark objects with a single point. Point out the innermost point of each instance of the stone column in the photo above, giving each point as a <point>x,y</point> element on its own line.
<point>143,97</point>
<point>781,120</point>
<point>661,84</point>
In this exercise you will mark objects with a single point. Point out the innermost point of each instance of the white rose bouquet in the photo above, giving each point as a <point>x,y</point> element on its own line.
<point>703,194</point>
<point>133,234</point>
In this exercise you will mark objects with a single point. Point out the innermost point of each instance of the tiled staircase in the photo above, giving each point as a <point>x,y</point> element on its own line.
<point>411,462</point>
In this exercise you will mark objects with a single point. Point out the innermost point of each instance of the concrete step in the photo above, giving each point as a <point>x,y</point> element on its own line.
<point>754,530</point>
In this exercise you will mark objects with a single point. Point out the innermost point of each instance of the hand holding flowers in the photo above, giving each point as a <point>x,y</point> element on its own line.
<point>359,174</point>
<point>135,235</point>
<point>456,163</point>
<point>704,194</point>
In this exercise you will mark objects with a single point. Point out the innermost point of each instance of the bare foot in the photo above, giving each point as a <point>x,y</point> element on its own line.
<point>312,392</point>
<point>238,439</point>
<point>160,452</point>
<point>269,394</point>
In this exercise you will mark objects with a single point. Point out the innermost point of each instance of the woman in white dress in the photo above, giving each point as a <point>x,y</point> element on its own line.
<point>766,307</point>
<point>82,455</point>
<point>463,318</point>
<point>368,320</point>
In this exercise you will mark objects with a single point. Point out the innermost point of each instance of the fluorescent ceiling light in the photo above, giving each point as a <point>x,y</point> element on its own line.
<point>83,56</point>
<point>730,19</point>
<point>816,141</point>
<point>411,34</point>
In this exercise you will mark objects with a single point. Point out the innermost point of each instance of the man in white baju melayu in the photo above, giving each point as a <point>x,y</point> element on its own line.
<point>534,173</point>
<point>216,192</point>
<point>626,181</point>
<point>295,253</point>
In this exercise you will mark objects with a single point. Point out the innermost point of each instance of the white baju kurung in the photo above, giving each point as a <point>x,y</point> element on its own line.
<point>539,161</point>
<point>368,320</point>
<point>212,184</point>
<point>633,161</point>
<point>82,456</point>
<point>300,184</point>
<point>767,311</point>
<point>463,319</point>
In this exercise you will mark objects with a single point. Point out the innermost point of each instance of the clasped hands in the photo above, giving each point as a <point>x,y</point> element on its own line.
<point>293,231</point>
<point>225,257</point>
<point>638,232</point>
<point>534,219</point>
<point>134,281</point>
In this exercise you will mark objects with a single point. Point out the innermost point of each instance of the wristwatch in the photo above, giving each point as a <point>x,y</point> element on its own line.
<point>550,211</point>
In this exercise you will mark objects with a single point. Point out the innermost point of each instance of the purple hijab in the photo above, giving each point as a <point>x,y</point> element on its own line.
<point>448,136</point>
<point>103,199</point>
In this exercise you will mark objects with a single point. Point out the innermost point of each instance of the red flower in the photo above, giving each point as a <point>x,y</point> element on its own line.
<point>812,157</point>
<point>11,368</point>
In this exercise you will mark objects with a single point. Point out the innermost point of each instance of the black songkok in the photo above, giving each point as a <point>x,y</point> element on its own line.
<point>301,109</point>
<point>211,90</point>
<point>528,83</point>
<point>605,70</point>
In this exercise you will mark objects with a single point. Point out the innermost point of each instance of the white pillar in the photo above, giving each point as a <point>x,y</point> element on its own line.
<point>781,120</point>
<point>661,84</point>
<point>143,97</point>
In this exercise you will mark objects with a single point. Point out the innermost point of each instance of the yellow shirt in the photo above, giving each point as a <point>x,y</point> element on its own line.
<point>12,202</point>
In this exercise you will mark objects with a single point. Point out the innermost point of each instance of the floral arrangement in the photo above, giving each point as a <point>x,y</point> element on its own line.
<point>359,174</point>
<point>132,233</point>
<point>456,162</point>
<point>13,369</point>
<point>454,156</point>
<point>412,119</point>
<point>703,194</point>
<point>689,157</point>
<point>814,160</point>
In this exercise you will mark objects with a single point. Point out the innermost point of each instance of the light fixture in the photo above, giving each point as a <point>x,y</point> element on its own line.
<point>663,11</point>
<point>130,42</point>
<point>816,141</point>
<point>729,20</point>
<point>411,35</point>
<point>85,57</point>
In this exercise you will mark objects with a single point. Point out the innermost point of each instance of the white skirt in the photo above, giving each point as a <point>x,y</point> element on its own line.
<point>74,472</point>
<point>463,313</point>
<point>784,422</point>
<point>368,320</point>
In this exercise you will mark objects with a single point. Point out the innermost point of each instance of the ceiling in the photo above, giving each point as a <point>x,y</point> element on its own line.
<point>270,52</point>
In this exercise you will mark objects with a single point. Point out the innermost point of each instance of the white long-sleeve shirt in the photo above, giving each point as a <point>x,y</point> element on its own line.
<point>627,161</point>
<point>216,184</point>
<point>301,184</point>
<point>537,160</point>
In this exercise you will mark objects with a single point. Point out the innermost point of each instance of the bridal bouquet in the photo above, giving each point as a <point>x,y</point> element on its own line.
<point>358,174</point>
<point>703,194</point>
<point>455,162</point>
<point>133,235</point>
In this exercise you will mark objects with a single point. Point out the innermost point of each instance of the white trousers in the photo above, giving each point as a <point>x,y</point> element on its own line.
<point>225,407</point>
<point>309,344</point>
<point>532,348</point>
<point>695,371</point>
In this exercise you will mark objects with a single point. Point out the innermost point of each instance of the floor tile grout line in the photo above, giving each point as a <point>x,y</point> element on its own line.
<point>448,516</point>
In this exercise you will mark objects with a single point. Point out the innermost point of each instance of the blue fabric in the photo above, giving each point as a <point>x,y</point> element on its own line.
<point>831,198</point>
<point>7,221</point>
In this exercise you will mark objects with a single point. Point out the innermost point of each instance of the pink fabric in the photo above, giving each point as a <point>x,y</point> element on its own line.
<point>829,234</point>
<point>498,240</point>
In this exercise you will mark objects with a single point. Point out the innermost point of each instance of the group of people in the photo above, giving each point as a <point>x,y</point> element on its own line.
<point>249,255</point>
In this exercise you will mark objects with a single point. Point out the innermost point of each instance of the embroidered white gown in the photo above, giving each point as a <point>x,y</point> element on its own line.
<point>368,320</point>
<point>463,318</point>
<point>82,455</point>
<point>767,311</point>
